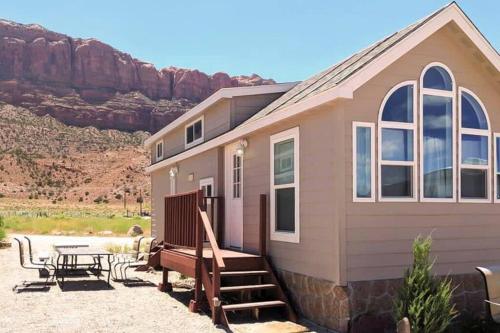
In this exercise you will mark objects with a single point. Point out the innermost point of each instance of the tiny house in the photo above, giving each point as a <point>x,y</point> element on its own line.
<point>333,177</point>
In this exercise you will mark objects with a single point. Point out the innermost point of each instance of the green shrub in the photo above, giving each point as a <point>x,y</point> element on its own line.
<point>424,299</point>
<point>2,230</point>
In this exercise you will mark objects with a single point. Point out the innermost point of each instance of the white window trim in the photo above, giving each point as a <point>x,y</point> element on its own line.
<point>199,140</point>
<point>435,92</point>
<point>208,181</point>
<point>478,132</point>
<point>292,237</point>
<point>398,125</point>
<point>159,157</point>
<point>355,125</point>
<point>495,136</point>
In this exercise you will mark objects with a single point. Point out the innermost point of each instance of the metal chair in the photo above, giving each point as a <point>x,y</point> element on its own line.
<point>33,266</point>
<point>491,278</point>
<point>123,258</point>
<point>42,259</point>
<point>142,258</point>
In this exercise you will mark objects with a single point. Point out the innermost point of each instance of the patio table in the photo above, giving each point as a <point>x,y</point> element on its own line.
<point>66,253</point>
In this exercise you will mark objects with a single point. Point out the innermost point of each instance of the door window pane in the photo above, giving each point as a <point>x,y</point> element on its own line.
<point>474,149</point>
<point>285,209</point>
<point>396,181</point>
<point>283,162</point>
<point>397,144</point>
<point>399,106</point>
<point>473,183</point>
<point>437,147</point>
<point>363,162</point>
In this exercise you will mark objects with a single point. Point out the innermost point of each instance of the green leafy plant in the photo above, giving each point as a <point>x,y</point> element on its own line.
<point>424,299</point>
<point>2,229</point>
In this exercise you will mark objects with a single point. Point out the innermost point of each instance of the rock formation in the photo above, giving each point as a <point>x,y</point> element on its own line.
<point>85,82</point>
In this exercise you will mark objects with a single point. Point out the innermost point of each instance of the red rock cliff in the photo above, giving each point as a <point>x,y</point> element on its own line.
<point>85,82</point>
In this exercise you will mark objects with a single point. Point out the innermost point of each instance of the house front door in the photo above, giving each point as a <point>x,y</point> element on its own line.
<point>234,197</point>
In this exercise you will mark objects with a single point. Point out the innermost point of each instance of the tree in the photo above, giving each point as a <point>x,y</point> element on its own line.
<point>424,299</point>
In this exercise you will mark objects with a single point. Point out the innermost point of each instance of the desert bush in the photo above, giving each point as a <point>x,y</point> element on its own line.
<point>424,299</point>
<point>98,200</point>
<point>2,229</point>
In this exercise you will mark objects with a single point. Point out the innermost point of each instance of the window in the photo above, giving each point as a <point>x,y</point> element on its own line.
<point>194,133</point>
<point>284,182</point>
<point>207,185</point>
<point>159,150</point>
<point>363,162</point>
<point>437,133</point>
<point>474,143</point>
<point>397,144</point>
<point>497,167</point>
<point>237,160</point>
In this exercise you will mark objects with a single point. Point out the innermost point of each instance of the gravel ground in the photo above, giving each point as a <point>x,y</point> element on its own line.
<point>89,305</point>
<point>116,309</point>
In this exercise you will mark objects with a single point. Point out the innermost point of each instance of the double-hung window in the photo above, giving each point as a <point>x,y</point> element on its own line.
<point>159,151</point>
<point>284,189</point>
<point>396,154</point>
<point>437,130</point>
<point>194,133</point>
<point>474,143</point>
<point>363,162</point>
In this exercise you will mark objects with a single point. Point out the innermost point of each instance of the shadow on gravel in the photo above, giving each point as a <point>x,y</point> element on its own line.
<point>99,285</point>
<point>35,286</point>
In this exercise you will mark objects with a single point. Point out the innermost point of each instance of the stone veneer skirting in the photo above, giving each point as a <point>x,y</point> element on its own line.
<point>366,306</point>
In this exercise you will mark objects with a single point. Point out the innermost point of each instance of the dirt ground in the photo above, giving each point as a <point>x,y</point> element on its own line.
<point>89,305</point>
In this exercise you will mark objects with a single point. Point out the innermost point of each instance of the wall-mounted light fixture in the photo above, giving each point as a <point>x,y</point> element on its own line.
<point>242,145</point>
<point>173,172</point>
<point>191,177</point>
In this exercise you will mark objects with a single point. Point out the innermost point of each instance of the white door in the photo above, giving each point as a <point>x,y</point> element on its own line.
<point>234,197</point>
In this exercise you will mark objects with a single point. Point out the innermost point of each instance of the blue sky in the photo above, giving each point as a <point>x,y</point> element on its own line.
<point>285,40</point>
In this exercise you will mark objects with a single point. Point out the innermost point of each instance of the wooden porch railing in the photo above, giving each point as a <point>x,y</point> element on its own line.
<point>180,220</point>
<point>190,220</point>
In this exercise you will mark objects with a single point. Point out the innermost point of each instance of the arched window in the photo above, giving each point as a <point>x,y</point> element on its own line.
<point>397,145</point>
<point>437,132</point>
<point>474,146</point>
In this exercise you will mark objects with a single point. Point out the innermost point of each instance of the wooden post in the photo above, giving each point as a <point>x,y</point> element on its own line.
<point>263,225</point>
<point>221,221</point>
<point>165,286</point>
<point>194,304</point>
<point>216,291</point>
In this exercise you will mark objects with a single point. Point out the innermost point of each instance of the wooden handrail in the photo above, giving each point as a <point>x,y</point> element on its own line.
<point>216,252</point>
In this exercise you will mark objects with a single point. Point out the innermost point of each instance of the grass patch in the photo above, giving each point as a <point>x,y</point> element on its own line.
<point>73,225</point>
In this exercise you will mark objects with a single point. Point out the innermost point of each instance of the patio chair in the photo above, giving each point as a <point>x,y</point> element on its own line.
<point>123,258</point>
<point>491,276</point>
<point>42,257</point>
<point>42,266</point>
<point>142,258</point>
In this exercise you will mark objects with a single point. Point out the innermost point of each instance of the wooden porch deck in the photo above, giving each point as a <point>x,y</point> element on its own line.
<point>191,248</point>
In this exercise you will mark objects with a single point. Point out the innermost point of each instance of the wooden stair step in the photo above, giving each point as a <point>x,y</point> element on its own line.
<point>242,273</point>
<point>248,287</point>
<point>253,305</point>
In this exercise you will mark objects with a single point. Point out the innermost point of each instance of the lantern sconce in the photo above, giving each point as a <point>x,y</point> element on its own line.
<point>173,172</point>
<point>242,145</point>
